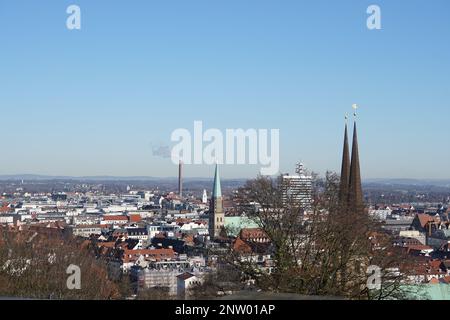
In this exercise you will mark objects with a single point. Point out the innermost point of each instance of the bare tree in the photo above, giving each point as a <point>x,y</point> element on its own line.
<point>322,250</point>
<point>36,266</point>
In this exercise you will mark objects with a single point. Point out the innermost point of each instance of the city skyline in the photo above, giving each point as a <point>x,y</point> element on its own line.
<point>96,101</point>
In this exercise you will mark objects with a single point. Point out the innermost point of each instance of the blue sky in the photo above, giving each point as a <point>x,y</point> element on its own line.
<point>94,101</point>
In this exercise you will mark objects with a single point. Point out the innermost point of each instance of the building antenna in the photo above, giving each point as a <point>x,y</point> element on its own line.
<point>299,168</point>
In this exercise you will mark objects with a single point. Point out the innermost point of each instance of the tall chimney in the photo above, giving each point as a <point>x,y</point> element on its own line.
<point>180,178</point>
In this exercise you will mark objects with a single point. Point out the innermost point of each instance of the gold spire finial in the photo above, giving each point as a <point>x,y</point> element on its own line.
<point>355,107</point>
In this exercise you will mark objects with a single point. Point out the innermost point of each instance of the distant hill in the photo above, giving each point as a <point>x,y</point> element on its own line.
<point>409,182</point>
<point>371,182</point>
<point>35,177</point>
<point>82,178</point>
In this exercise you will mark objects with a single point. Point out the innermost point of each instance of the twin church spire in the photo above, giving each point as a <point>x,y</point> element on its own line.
<point>350,190</point>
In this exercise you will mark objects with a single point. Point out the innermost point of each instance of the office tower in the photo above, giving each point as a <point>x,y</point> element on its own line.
<point>297,189</point>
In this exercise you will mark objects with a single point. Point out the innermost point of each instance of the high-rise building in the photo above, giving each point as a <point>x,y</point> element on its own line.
<point>297,189</point>
<point>216,214</point>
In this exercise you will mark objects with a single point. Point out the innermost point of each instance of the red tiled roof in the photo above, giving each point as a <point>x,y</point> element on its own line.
<point>135,217</point>
<point>435,264</point>
<point>250,233</point>
<point>157,254</point>
<point>5,209</point>
<point>185,276</point>
<point>434,281</point>
<point>183,220</point>
<point>241,246</point>
<point>424,219</point>
<point>117,217</point>
<point>107,244</point>
<point>87,226</point>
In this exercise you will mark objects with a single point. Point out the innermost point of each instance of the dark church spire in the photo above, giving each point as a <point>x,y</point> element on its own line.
<point>345,171</point>
<point>355,195</point>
